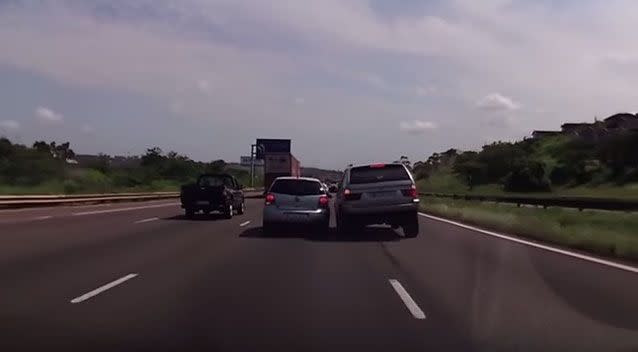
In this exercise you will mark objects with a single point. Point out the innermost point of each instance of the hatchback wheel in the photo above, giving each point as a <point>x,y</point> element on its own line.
<point>229,212</point>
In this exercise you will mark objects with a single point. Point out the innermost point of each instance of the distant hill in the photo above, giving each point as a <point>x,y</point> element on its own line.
<point>324,175</point>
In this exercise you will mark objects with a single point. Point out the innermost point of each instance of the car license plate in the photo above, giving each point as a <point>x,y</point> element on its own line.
<point>296,217</point>
<point>382,194</point>
<point>202,202</point>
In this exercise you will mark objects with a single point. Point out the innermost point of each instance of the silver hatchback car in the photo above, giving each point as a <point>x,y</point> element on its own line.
<point>296,200</point>
<point>378,194</point>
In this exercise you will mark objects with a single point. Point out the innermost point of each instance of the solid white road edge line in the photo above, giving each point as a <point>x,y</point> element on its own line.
<point>99,290</point>
<point>537,245</point>
<point>43,217</point>
<point>146,220</point>
<point>417,313</point>
<point>244,223</point>
<point>123,209</point>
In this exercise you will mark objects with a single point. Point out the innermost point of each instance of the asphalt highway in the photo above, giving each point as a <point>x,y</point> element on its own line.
<point>140,277</point>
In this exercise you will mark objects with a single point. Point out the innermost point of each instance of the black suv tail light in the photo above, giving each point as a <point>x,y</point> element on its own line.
<point>348,195</point>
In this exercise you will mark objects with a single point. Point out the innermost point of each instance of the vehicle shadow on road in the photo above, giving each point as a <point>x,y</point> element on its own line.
<point>197,217</point>
<point>369,234</point>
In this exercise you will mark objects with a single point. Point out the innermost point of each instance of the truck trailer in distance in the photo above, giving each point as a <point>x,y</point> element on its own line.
<point>279,165</point>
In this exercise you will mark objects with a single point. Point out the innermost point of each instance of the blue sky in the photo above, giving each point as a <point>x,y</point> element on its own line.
<point>347,80</point>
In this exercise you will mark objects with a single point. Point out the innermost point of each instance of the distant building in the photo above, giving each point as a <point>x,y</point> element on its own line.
<point>538,134</point>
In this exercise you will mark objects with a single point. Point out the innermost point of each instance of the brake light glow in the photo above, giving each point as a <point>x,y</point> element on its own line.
<point>324,201</point>
<point>348,195</point>
<point>270,199</point>
<point>377,166</point>
<point>412,192</point>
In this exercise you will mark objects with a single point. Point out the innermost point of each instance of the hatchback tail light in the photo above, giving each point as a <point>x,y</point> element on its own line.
<point>270,199</point>
<point>324,201</point>
<point>412,192</point>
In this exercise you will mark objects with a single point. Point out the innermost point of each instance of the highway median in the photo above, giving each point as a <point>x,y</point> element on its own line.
<point>604,233</point>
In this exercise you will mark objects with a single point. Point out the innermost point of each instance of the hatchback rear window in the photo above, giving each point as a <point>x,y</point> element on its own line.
<point>378,173</point>
<point>297,187</point>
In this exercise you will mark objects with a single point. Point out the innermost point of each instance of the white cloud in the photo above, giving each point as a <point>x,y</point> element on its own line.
<point>497,102</point>
<point>417,126</point>
<point>177,107</point>
<point>203,86</point>
<point>48,116</point>
<point>9,125</point>
<point>88,129</point>
<point>426,91</point>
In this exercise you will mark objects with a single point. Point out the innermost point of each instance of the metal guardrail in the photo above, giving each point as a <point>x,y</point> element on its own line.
<point>27,201</point>
<point>579,203</point>
<point>41,201</point>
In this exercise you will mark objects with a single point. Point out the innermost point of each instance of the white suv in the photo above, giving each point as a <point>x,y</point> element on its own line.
<point>378,194</point>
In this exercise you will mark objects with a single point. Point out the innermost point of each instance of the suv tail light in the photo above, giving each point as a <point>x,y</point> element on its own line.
<point>412,192</point>
<point>270,199</point>
<point>348,195</point>
<point>324,201</point>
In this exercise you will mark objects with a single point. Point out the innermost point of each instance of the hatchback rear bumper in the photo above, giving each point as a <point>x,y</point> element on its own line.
<point>275,215</point>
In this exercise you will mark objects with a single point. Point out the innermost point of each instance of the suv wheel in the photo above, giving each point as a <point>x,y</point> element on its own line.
<point>411,227</point>
<point>190,213</point>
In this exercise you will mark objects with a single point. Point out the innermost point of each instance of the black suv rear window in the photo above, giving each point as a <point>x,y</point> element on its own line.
<point>296,187</point>
<point>378,173</point>
<point>215,180</point>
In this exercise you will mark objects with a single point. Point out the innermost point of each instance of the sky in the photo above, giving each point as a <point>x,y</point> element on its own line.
<point>349,81</point>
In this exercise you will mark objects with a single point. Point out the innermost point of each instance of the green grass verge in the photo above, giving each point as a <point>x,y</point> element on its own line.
<point>613,234</point>
<point>448,183</point>
<point>57,187</point>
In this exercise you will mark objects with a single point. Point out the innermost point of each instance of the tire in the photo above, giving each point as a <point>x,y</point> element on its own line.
<point>267,228</point>
<point>228,214</point>
<point>242,208</point>
<point>411,227</point>
<point>344,227</point>
<point>190,213</point>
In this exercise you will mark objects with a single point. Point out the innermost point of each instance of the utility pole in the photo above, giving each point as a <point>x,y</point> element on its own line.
<point>253,154</point>
<point>253,149</point>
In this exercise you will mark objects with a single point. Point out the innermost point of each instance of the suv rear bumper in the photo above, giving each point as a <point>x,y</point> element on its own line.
<point>351,209</point>
<point>390,214</point>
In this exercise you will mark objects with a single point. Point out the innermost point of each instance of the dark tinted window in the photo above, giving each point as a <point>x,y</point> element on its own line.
<point>211,181</point>
<point>368,174</point>
<point>297,187</point>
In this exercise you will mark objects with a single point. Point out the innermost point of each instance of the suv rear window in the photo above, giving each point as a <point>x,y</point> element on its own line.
<point>297,187</point>
<point>371,174</point>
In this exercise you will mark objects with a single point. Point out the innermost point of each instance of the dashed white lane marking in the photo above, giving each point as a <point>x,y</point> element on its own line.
<point>417,313</point>
<point>537,245</point>
<point>244,223</point>
<point>101,289</point>
<point>43,217</point>
<point>123,209</point>
<point>146,220</point>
